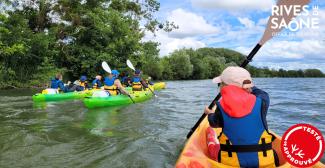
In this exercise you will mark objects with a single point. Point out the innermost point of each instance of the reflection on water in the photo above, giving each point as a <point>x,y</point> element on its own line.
<point>103,122</point>
<point>149,134</point>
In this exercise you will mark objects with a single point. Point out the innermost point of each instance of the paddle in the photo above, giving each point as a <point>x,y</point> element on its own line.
<point>268,34</point>
<point>130,65</point>
<point>106,67</point>
<point>108,70</point>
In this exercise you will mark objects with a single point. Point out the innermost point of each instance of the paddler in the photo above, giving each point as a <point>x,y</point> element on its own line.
<point>241,113</point>
<point>113,85</point>
<point>81,84</point>
<point>149,82</point>
<point>56,85</point>
<point>97,82</point>
<point>137,83</point>
<point>125,79</point>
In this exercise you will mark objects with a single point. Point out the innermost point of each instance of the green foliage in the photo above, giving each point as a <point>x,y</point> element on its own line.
<point>206,63</point>
<point>149,60</point>
<point>180,64</point>
<point>44,73</point>
<point>41,37</point>
<point>38,40</point>
<point>313,73</point>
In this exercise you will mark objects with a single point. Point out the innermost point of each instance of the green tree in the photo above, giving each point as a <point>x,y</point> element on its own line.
<point>150,60</point>
<point>313,73</point>
<point>75,35</point>
<point>180,64</point>
<point>167,72</point>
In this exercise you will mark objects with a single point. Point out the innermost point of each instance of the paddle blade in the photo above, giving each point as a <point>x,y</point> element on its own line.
<point>106,67</point>
<point>285,17</point>
<point>130,65</point>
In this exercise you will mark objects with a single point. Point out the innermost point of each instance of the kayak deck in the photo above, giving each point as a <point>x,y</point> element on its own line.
<point>94,102</point>
<point>159,85</point>
<point>195,153</point>
<point>39,97</point>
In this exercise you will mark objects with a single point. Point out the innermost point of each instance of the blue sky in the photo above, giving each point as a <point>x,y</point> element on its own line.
<point>238,25</point>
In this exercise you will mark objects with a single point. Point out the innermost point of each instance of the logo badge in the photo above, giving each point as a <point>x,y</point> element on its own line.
<point>302,145</point>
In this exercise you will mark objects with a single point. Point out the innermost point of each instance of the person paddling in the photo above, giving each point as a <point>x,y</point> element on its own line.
<point>79,85</point>
<point>241,113</point>
<point>137,83</point>
<point>113,85</point>
<point>149,81</point>
<point>56,85</point>
<point>97,82</point>
<point>125,79</point>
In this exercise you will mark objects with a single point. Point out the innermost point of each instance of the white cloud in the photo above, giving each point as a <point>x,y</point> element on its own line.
<point>169,44</point>
<point>190,24</point>
<point>306,51</point>
<point>237,35</point>
<point>263,21</point>
<point>246,22</point>
<point>234,4</point>
<point>291,65</point>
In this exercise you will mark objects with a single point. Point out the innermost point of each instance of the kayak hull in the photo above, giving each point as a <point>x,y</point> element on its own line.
<point>155,86</point>
<point>61,96</point>
<point>159,85</point>
<point>195,152</point>
<point>95,102</point>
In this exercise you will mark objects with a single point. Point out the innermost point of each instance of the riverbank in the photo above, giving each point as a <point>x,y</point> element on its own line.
<point>25,86</point>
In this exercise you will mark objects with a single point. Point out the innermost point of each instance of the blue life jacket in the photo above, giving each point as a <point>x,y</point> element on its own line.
<point>136,83</point>
<point>110,87</point>
<point>55,83</point>
<point>97,83</point>
<point>136,79</point>
<point>245,141</point>
<point>124,79</point>
<point>108,81</point>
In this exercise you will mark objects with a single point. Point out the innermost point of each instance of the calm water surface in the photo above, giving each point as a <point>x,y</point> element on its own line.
<point>149,134</point>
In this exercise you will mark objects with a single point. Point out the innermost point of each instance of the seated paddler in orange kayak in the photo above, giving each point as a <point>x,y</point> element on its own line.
<point>245,140</point>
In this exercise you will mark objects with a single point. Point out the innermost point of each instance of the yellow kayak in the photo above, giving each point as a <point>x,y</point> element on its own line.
<point>195,152</point>
<point>159,85</point>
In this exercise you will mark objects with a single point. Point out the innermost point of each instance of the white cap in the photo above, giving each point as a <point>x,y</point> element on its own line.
<point>237,76</point>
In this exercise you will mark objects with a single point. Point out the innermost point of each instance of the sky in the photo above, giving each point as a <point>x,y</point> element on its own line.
<point>239,25</point>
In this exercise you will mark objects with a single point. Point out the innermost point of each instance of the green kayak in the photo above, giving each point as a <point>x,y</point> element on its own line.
<point>94,102</point>
<point>39,97</point>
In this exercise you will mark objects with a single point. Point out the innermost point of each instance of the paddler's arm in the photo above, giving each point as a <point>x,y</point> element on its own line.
<point>144,84</point>
<point>213,116</point>
<point>118,84</point>
<point>62,87</point>
<point>263,95</point>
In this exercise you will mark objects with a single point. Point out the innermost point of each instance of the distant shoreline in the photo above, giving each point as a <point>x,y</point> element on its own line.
<point>39,87</point>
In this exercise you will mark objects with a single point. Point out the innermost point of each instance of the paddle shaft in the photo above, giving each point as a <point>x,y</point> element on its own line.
<point>131,99</point>
<point>128,96</point>
<point>213,103</point>
<point>151,90</point>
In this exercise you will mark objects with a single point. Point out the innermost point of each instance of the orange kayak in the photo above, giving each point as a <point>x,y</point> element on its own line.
<point>195,152</point>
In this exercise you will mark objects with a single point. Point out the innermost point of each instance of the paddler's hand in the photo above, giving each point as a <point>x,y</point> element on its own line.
<point>207,111</point>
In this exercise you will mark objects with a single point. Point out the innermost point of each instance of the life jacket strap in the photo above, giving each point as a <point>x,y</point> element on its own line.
<point>111,89</point>
<point>246,148</point>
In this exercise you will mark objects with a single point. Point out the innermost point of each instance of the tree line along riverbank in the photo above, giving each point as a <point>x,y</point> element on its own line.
<point>39,40</point>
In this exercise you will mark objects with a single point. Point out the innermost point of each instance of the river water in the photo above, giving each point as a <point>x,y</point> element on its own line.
<point>149,134</point>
